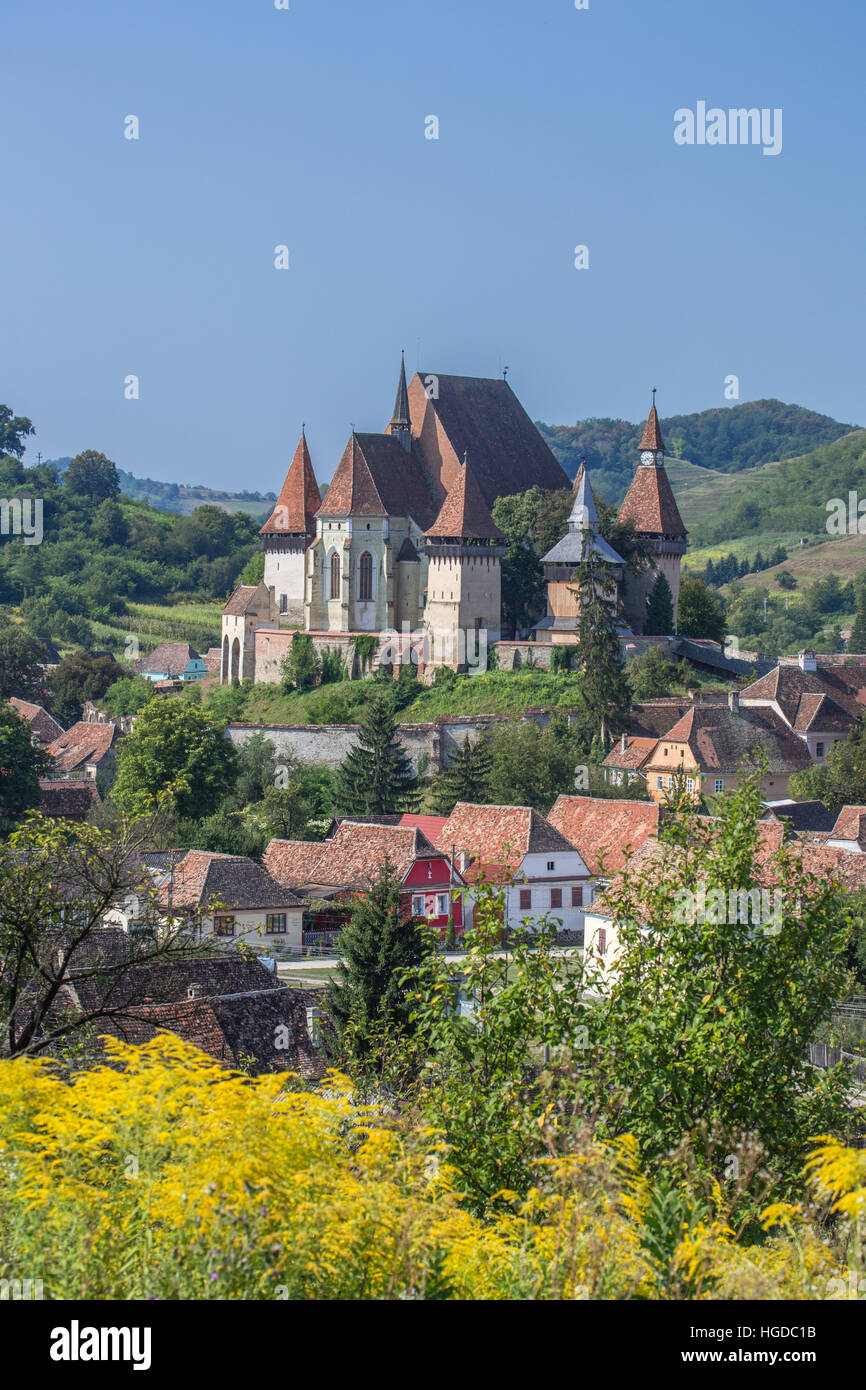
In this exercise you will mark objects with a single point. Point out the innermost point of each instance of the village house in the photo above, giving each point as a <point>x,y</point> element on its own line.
<point>626,762</point>
<point>232,899</point>
<point>544,877</point>
<point>85,749</point>
<point>67,798</point>
<point>819,706</point>
<point>605,831</point>
<point>44,728</point>
<point>342,866</point>
<point>172,661</point>
<point>711,744</point>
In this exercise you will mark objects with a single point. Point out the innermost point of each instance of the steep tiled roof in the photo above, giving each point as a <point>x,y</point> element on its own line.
<point>67,798</point>
<point>299,499</point>
<point>401,404</point>
<point>357,852</point>
<point>428,825</point>
<point>798,694</point>
<point>43,725</point>
<point>376,476</point>
<point>225,880</point>
<point>82,745</point>
<point>653,718</point>
<point>850,824</point>
<point>169,659</point>
<point>500,836</point>
<point>650,504</point>
<point>636,753</point>
<point>464,512</point>
<point>652,432</point>
<point>243,600</point>
<point>722,741</point>
<point>483,417</point>
<point>292,862</point>
<point>605,830</point>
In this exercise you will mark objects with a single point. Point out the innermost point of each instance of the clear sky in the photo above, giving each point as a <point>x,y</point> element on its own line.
<point>305,127</point>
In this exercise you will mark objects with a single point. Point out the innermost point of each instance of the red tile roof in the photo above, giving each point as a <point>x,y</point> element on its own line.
<point>500,836</point>
<point>293,862</point>
<point>43,724</point>
<point>652,432</point>
<point>170,659</point>
<point>357,852</point>
<point>807,699</point>
<point>722,741</point>
<point>82,745</point>
<point>605,830</point>
<point>637,752</point>
<point>428,825</point>
<point>244,600</point>
<point>299,499</point>
<point>850,824</point>
<point>202,880</point>
<point>651,506</point>
<point>377,477</point>
<point>464,512</point>
<point>63,799</point>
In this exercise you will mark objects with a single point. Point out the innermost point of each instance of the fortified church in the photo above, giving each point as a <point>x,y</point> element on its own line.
<point>404,541</point>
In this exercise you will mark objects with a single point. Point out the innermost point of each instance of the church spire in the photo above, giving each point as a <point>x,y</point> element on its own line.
<point>651,440</point>
<point>400,425</point>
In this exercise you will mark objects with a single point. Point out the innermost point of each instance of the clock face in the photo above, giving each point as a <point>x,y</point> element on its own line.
<point>647,457</point>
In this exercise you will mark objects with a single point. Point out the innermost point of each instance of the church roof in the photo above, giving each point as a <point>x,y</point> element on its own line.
<point>299,498</point>
<point>584,517</point>
<point>483,417</point>
<point>652,432</point>
<point>464,512</point>
<point>401,404</point>
<point>377,477</point>
<point>650,504</point>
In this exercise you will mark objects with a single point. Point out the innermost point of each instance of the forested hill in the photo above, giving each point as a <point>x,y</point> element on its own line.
<point>184,497</point>
<point>729,439</point>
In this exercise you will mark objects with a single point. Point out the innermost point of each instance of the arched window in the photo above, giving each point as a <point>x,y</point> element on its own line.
<point>335,576</point>
<point>365,592</point>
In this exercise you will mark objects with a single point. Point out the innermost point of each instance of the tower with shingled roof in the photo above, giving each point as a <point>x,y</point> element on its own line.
<point>651,507</point>
<point>287,533</point>
<point>464,582</point>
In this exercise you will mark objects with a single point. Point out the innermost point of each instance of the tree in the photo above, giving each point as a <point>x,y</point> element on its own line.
<point>529,766</point>
<point>129,695</point>
<point>367,993</point>
<point>81,676</point>
<point>301,667</point>
<point>109,524</point>
<point>465,778</point>
<point>532,522</point>
<point>57,881</point>
<point>857,640</point>
<point>376,777</point>
<point>660,610</point>
<point>700,614</point>
<point>174,748</point>
<point>603,685</point>
<point>21,671</point>
<point>93,476</point>
<point>786,580</point>
<point>21,766</point>
<point>653,674</point>
<point>14,429</point>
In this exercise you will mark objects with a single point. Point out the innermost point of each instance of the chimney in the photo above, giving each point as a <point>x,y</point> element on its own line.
<point>194,992</point>
<point>806,660</point>
<point>734,701</point>
<point>623,744</point>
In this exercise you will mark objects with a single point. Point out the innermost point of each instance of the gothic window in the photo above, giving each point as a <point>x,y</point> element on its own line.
<point>365,592</point>
<point>335,576</point>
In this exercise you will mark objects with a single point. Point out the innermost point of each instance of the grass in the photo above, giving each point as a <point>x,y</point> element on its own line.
<point>842,555</point>
<point>700,492</point>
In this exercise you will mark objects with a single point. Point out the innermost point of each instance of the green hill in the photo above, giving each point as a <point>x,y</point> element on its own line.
<point>726,440</point>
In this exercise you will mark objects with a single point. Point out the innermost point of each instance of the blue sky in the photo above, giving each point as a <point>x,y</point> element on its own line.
<point>306,127</point>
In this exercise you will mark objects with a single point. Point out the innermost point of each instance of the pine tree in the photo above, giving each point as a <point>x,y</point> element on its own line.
<point>857,642</point>
<point>376,778</point>
<point>366,996</point>
<point>660,610</point>
<point>603,683</point>
<point>465,779</point>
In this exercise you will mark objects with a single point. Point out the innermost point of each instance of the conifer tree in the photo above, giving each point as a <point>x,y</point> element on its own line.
<point>660,610</point>
<point>603,683</point>
<point>376,778</point>
<point>366,997</point>
<point>857,642</point>
<point>465,779</point>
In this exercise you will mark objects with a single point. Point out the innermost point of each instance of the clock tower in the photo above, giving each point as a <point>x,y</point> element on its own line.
<point>651,507</point>
<point>652,447</point>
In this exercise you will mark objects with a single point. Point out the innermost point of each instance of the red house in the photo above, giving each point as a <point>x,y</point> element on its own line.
<point>357,852</point>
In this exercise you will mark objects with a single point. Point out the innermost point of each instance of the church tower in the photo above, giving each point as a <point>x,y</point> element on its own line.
<point>651,507</point>
<point>464,582</point>
<point>287,533</point>
<point>400,425</point>
<point>563,605</point>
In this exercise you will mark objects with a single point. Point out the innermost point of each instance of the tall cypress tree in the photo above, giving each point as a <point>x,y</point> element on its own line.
<point>376,778</point>
<point>465,779</point>
<point>660,610</point>
<point>365,994</point>
<point>603,683</point>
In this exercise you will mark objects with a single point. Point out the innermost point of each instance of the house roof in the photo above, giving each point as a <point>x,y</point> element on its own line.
<point>299,499</point>
<point>800,815</point>
<point>653,718</point>
<point>43,724</point>
<point>376,476</point>
<point>850,824</point>
<point>464,512</point>
<point>169,659</point>
<point>428,825</point>
<point>483,417</point>
<point>247,598</point>
<point>203,879</point>
<point>357,851</point>
<point>650,504</point>
<point>637,752</point>
<point>292,862</point>
<point>67,798</point>
<point>722,741</point>
<point>807,699</point>
<point>605,830</point>
<point>500,836</point>
<point>82,745</point>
